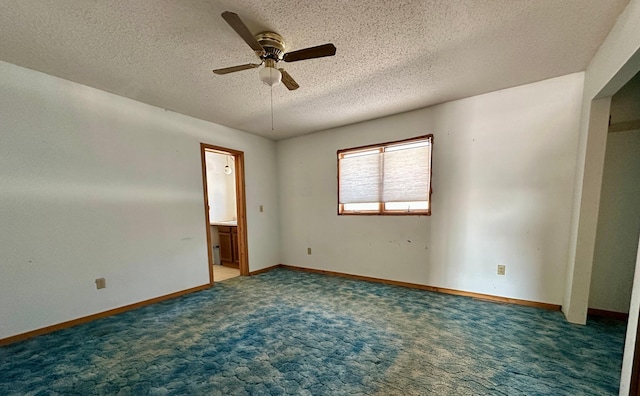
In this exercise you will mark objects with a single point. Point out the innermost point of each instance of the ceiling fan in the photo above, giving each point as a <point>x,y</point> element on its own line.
<point>269,47</point>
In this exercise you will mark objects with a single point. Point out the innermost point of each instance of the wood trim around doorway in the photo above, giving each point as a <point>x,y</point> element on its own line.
<point>241,207</point>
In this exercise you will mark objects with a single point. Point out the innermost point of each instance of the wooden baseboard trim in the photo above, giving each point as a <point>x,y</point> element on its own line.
<point>262,271</point>
<point>115,311</point>
<point>608,314</point>
<point>99,315</point>
<point>479,296</point>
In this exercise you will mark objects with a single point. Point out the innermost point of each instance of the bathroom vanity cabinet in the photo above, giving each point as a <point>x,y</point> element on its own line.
<point>228,245</point>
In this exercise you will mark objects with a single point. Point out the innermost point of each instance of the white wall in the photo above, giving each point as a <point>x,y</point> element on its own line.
<point>625,104</point>
<point>503,168</point>
<point>95,185</point>
<point>221,188</point>
<point>618,224</point>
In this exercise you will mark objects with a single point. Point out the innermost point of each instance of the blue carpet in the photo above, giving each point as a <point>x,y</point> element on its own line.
<point>291,333</point>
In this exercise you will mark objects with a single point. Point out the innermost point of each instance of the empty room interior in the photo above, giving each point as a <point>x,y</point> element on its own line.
<point>330,197</point>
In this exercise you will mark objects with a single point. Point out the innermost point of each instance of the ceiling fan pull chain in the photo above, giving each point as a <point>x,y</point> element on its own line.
<point>272,107</point>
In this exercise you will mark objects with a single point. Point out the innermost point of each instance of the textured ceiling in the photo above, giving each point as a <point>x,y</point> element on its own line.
<point>392,56</point>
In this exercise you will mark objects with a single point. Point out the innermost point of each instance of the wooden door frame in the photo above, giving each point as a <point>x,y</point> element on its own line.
<point>241,207</point>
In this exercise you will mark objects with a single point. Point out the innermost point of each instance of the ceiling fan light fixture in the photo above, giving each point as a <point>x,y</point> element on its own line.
<point>270,76</point>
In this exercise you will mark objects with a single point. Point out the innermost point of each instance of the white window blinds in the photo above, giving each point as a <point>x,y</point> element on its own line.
<point>406,174</point>
<point>361,177</point>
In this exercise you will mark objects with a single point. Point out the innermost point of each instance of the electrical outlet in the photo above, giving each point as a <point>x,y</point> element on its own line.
<point>101,283</point>
<point>261,208</point>
<point>308,250</point>
<point>501,269</point>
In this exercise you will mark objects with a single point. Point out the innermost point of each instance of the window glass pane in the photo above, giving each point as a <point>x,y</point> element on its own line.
<point>366,206</point>
<point>408,206</point>
<point>405,146</point>
<point>360,153</point>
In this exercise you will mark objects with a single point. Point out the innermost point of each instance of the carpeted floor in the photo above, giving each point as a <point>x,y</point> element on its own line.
<point>287,332</point>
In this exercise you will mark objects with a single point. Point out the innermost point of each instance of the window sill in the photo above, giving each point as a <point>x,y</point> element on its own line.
<point>385,214</point>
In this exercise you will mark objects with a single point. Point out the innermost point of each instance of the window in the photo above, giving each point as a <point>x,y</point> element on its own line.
<point>386,179</point>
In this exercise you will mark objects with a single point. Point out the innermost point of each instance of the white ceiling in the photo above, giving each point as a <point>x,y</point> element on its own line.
<point>392,56</point>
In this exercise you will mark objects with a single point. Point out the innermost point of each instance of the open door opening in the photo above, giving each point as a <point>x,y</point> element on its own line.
<point>225,212</point>
<point>618,224</point>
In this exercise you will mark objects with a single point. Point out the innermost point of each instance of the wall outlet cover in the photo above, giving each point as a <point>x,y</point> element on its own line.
<point>101,283</point>
<point>501,269</point>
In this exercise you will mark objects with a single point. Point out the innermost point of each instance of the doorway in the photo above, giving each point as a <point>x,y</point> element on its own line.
<point>601,128</point>
<point>618,224</point>
<point>225,211</point>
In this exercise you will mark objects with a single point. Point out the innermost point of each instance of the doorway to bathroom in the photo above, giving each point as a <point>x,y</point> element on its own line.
<point>223,184</point>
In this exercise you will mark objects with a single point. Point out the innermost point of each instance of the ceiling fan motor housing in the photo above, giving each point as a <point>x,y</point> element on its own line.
<point>273,45</point>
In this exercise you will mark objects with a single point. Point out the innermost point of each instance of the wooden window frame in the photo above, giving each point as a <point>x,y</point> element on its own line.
<point>381,211</point>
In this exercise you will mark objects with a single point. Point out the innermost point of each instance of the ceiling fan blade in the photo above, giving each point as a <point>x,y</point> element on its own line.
<point>310,53</point>
<point>243,31</point>
<point>288,81</point>
<point>233,69</point>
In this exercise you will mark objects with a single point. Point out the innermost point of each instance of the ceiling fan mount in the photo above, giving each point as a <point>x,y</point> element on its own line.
<point>270,48</point>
